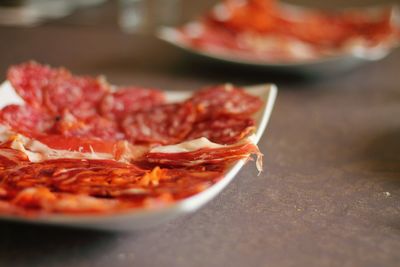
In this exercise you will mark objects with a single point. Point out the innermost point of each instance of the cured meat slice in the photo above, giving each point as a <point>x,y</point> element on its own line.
<point>47,147</point>
<point>102,128</point>
<point>89,177</point>
<point>207,155</point>
<point>41,199</point>
<point>223,130</point>
<point>26,119</point>
<point>78,94</point>
<point>10,157</point>
<point>184,182</point>
<point>80,186</point>
<point>29,79</point>
<point>128,100</point>
<point>121,151</point>
<point>225,100</point>
<point>93,127</point>
<point>166,124</point>
<point>212,38</point>
<point>57,89</point>
<point>81,144</point>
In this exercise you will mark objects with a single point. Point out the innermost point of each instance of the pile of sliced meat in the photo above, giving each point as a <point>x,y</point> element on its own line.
<point>80,145</point>
<point>267,30</point>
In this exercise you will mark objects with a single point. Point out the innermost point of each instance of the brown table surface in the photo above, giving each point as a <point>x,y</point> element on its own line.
<point>330,193</point>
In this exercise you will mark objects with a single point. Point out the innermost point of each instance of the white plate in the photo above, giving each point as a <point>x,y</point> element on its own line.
<point>142,218</point>
<point>324,65</point>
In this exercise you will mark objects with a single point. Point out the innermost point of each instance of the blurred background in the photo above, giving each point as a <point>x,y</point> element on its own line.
<point>331,149</point>
<point>131,15</point>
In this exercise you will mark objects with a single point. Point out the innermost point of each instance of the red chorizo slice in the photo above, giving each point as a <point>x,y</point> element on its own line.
<point>91,177</point>
<point>184,182</point>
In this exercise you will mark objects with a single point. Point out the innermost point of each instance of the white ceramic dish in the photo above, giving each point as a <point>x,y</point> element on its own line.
<point>324,65</point>
<point>142,218</point>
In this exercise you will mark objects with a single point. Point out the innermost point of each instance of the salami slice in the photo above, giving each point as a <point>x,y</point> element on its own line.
<point>102,128</point>
<point>223,130</point>
<point>93,127</point>
<point>128,100</point>
<point>166,124</point>
<point>26,119</point>
<point>57,89</point>
<point>80,95</point>
<point>225,100</point>
<point>29,79</point>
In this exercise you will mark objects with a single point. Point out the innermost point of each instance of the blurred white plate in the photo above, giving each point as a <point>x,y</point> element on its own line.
<point>142,218</point>
<point>324,65</point>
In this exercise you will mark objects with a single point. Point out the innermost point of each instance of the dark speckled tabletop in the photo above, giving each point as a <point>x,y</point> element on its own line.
<point>330,193</point>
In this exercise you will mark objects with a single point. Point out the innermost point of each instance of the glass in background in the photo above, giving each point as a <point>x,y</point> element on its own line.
<point>146,16</point>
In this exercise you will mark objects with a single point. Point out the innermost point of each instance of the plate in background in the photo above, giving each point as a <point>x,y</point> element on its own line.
<point>324,65</point>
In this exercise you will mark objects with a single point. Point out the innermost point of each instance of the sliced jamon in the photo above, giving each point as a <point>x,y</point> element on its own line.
<point>48,147</point>
<point>81,144</point>
<point>78,94</point>
<point>29,79</point>
<point>166,124</point>
<point>201,151</point>
<point>128,100</point>
<point>121,151</point>
<point>225,100</point>
<point>223,130</point>
<point>93,127</point>
<point>26,119</point>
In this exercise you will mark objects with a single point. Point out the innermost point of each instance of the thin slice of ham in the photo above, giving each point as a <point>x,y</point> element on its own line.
<point>37,151</point>
<point>201,151</point>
